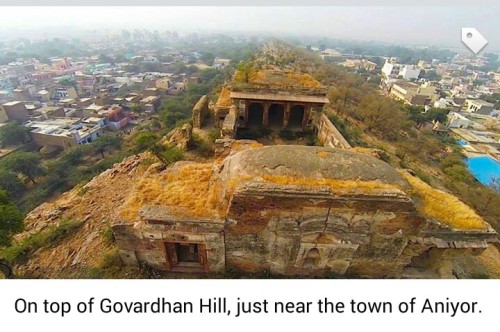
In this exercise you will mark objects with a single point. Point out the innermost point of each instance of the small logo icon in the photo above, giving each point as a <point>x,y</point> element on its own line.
<point>473,39</point>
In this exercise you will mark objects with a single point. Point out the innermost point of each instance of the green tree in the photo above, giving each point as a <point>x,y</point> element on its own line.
<point>25,163</point>
<point>167,154</point>
<point>13,133</point>
<point>430,75</point>
<point>10,183</point>
<point>11,219</point>
<point>144,141</point>
<point>382,116</point>
<point>107,143</point>
<point>74,156</point>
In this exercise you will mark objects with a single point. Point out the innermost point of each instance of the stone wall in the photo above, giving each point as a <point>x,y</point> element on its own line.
<point>328,135</point>
<point>229,125</point>
<point>200,112</point>
<point>304,231</point>
<point>147,241</point>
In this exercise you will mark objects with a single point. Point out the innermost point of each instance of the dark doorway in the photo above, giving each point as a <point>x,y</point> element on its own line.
<point>255,115</point>
<point>184,256</point>
<point>276,114</point>
<point>296,117</point>
<point>187,252</point>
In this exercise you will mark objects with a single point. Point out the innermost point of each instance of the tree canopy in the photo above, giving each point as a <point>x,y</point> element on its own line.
<point>11,219</point>
<point>12,134</point>
<point>106,143</point>
<point>24,163</point>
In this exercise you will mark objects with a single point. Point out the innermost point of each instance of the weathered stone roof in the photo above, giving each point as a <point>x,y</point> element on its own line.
<point>310,162</point>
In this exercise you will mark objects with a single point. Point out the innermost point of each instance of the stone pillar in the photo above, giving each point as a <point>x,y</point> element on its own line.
<point>247,103</point>
<point>286,115</point>
<point>307,113</point>
<point>265,119</point>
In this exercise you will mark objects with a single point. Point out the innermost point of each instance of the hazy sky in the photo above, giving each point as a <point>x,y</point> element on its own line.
<point>406,25</point>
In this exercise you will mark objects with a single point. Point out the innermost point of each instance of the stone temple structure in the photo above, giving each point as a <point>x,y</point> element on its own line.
<point>269,98</point>
<point>291,210</point>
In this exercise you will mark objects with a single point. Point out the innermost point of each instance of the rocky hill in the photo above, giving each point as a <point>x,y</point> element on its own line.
<point>71,237</point>
<point>83,245</point>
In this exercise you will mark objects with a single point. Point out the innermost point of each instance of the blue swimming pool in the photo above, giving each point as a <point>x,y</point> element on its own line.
<point>484,168</point>
<point>462,142</point>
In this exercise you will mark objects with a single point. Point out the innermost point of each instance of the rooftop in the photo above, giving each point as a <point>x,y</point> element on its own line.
<point>282,97</point>
<point>61,127</point>
<point>316,163</point>
<point>481,102</point>
<point>150,99</point>
<point>12,103</point>
<point>279,78</point>
<point>184,189</point>
<point>49,109</point>
<point>55,126</point>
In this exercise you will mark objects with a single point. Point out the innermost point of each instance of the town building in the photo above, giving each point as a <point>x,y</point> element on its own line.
<point>16,110</point>
<point>359,64</point>
<point>478,106</point>
<point>393,70</point>
<point>330,54</point>
<point>220,63</point>
<point>150,104</point>
<point>412,93</point>
<point>65,132</point>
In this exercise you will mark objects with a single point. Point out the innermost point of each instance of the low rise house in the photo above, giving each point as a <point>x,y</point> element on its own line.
<point>359,64</point>
<point>64,132</point>
<point>221,63</point>
<point>330,54</point>
<point>51,112</point>
<point>393,70</point>
<point>478,106</point>
<point>16,110</point>
<point>457,120</point>
<point>115,117</point>
<point>42,96</point>
<point>64,93</point>
<point>150,104</point>
<point>413,94</point>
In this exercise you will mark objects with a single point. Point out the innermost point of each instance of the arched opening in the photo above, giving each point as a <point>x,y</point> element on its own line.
<point>296,117</point>
<point>255,115</point>
<point>276,114</point>
<point>312,259</point>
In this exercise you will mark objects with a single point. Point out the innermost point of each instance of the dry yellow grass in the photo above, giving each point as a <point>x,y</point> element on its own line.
<point>224,99</point>
<point>239,146</point>
<point>303,80</point>
<point>278,78</point>
<point>334,184</point>
<point>185,190</point>
<point>323,154</point>
<point>444,207</point>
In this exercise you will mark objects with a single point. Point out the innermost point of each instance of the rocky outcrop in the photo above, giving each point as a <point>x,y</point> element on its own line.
<point>181,137</point>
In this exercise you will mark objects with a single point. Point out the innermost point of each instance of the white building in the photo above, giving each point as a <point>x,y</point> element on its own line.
<point>456,120</point>
<point>221,63</point>
<point>478,106</point>
<point>409,72</point>
<point>392,70</point>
